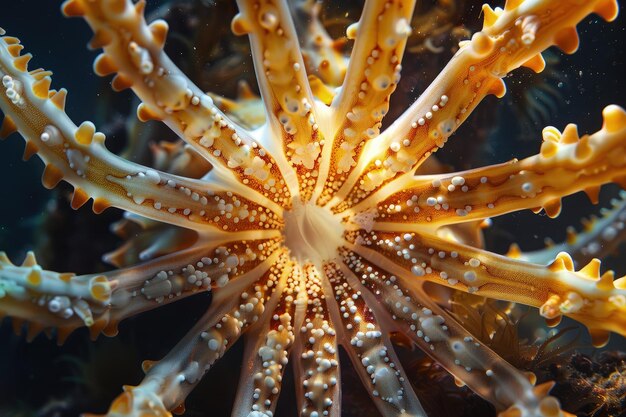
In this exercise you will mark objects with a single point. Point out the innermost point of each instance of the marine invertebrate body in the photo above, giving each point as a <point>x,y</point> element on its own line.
<point>314,231</point>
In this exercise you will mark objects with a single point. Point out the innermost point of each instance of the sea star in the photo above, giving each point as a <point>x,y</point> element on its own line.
<point>314,231</point>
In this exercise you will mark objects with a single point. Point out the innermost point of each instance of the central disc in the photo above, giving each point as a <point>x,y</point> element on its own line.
<point>312,233</point>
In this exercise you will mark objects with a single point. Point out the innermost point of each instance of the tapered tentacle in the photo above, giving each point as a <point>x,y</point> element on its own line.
<point>322,55</point>
<point>234,308</point>
<point>146,239</point>
<point>566,164</point>
<point>556,289</point>
<point>134,50</point>
<point>316,355</point>
<point>510,38</point>
<point>372,75</point>
<point>47,299</point>
<point>370,349</point>
<point>176,158</point>
<point>221,261</point>
<point>247,109</point>
<point>600,237</point>
<point>284,86</point>
<point>441,337</point>
<point>78,156</point>
<point>268,345</point>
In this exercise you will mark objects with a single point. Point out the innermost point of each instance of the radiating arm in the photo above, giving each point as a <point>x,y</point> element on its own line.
<point>368,347</point>
<point>268,347</point>
<point>442,338</point>
<point>510,38</point>
<point>372,75</point>
<point>134,50</point>
<point>78,156</point>
<point>556,289</point>
<point>46,299</point>
<point>599,238</point>
<point>289,104</point>
<point>233,310</point>
<point>316,356</point>
<point>566,164</point>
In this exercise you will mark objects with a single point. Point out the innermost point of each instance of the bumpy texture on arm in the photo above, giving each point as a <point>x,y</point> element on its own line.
<point>372,76</point>
<point>78,156</point>
<point>168,381</point>
<point>284,87</point>
<point>439,336</point>
<point>566,164</point>
<point>134,50</point>
<point>600,237</point>
<point>510,38</point>
<point>557,289</point>
<point>49,300</point>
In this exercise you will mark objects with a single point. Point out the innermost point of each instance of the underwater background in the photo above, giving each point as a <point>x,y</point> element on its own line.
<point>44,380</point>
